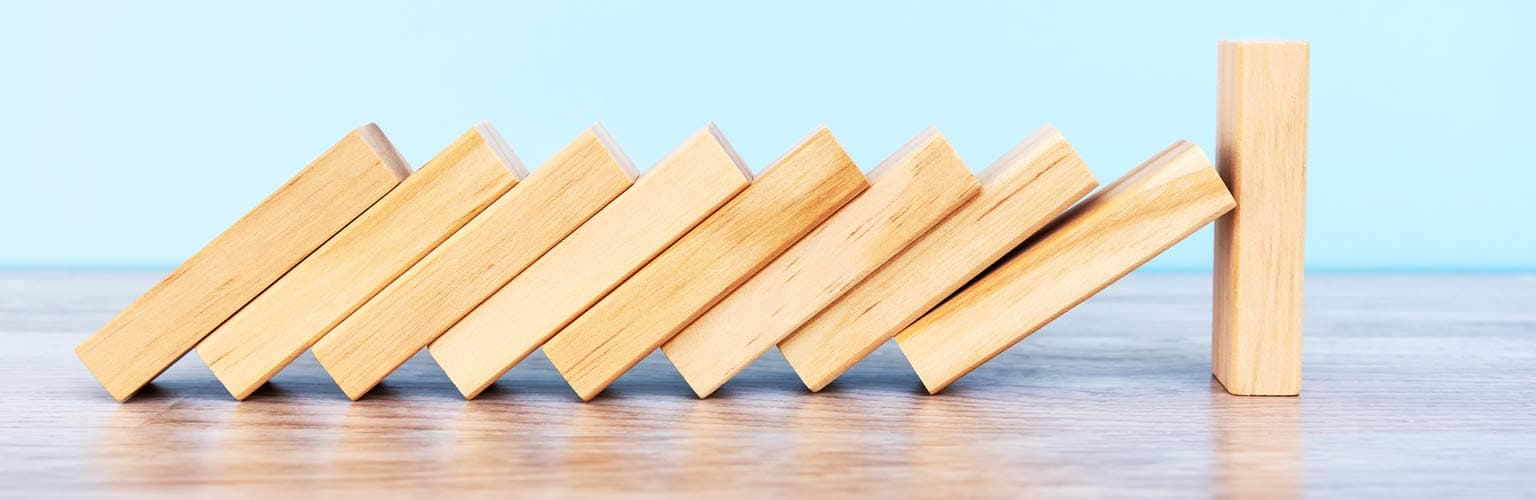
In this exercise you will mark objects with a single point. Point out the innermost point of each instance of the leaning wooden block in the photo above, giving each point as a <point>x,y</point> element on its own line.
<point>475,262</point>
<point>909,192</point>
<point>173,316</point>
<point>1031,184</point>
<point>371,252</point>
<point>1092,245</point>
<point>670,199</point>
<point>1262,155</point>
<point>787,201</point>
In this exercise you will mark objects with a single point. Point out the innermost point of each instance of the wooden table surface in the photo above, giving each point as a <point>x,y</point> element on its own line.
<point>1417,386</point>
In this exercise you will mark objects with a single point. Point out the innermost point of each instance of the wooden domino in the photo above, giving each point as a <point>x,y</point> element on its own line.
<point>909,192</point>
<point>1091,246</point>
<point>362,259</point>
<point>1262,156</point>
<point>178,312</point>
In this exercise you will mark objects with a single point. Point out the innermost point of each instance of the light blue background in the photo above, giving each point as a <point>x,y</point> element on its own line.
<point>132,134</point>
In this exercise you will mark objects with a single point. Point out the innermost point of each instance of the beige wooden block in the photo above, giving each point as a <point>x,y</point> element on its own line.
<point>371,252</point>
<point>475,262</point>
<point>173,316</point>
<point>1091,246</point>
<point>788,200</point>
<point>909,192</point>
<point>670,199</point>
<point>1262,155</point>
<point>1028,186</point>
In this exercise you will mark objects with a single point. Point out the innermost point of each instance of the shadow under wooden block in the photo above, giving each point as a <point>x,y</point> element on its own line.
<point>1262,156</point>
<point>1094,244</point>
<point>669,200</point>
<point>786,202</point>
<point>1034,182</point>
<point>476,261</point>
<point>178,312</point>
<point>909,192</point>
<point>372,251</point>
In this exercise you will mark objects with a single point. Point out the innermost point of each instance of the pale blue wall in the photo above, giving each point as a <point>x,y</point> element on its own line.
<point>130,135</point>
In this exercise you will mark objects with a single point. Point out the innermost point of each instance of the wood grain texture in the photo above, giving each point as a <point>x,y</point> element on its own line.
<point>1262,156</point>
<point>1029,185</point>
<point>669,200</point>
<point>1095,243</point>
<point>909,192</point>
<point>475,262</point>
<point>362,259</point>
<point>168,320</point>
<point>788,200</point>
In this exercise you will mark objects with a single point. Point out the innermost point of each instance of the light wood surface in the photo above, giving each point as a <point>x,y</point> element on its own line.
<point>362,259</point>
<point>1095,243</point>
<point>913,189</point>
<point>476,261</point>
<point>1034,182</point>
<point>790,198</point>
<point>160,327</point>
<point>668,200</point>
<point>1262,156</point>
<point>1417,386</point>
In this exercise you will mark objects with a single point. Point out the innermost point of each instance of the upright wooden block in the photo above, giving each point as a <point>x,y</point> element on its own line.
<point>1031,184</point>
<point>1262,155</point>
<point>475,262</point>
<point>909,192</point>
<point>1094,244</point>
<point>670,199</point>
<point>371,252</point>
<point>787,201</point>
<point>173,316</point>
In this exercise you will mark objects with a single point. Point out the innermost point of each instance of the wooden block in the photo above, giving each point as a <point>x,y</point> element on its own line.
<point>1262,155</point>
<point>668,201</point>
<point>1030,185</point>
<point>1091,246</point>
<point>475,262</point>
<point>909,192</point>
<point>791,198</point>
<point>167,321</point>
<point>371,252</point>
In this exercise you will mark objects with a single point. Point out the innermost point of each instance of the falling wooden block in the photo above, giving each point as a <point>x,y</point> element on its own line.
<point>173,316</point>
<point>1262,155</point>
<point>670,199</point>
<point>1031,184</point>
<point>909,192</point>
<point>475,262</point>
<point>372,251</point>
<point>791,198</point>
<point>1091,246</point>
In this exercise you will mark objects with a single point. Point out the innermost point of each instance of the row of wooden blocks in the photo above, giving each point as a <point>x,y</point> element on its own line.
<point>481,262</point>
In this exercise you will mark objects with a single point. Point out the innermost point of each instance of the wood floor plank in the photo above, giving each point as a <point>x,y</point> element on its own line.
<point>668,200</point>
<point>476,261</point>
<point>173,316</point>
<point>786,202</point>
<point>913,189</point>
<point>1262,156</point>
<point>1094,244</point>
<point>1028,186</point>
<point>372,251</point>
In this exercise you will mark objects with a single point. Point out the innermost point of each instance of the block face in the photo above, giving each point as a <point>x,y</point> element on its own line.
<point>1025,188</point>
<point>666,202</point>
<point>473,263</point>
<point>368,254</point>
<point>909,193</point>
<point>167,321</point>
<point>1259,264</point>
<point>1091,246</point>
<point>790,199</point>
